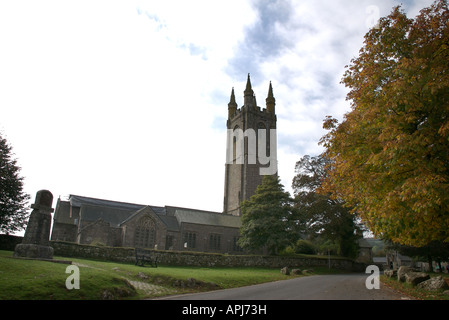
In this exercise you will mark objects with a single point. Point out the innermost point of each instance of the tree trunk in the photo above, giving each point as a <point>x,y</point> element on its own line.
<point>429,260</point>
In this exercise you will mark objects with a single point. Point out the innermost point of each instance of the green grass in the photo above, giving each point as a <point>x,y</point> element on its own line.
<point>34,279</point>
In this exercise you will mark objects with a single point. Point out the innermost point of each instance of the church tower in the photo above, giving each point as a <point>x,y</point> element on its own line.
<point>251,147</point>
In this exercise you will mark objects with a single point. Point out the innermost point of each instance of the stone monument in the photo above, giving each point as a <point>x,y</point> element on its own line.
<point>35,243</point>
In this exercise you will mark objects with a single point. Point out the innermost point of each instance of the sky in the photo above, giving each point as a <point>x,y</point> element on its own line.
<point>127,100</point>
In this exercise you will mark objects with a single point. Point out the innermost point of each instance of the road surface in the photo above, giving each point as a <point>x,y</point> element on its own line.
<point>319,287</point>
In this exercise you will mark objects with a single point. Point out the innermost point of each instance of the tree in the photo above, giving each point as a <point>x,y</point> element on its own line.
<point>390,155</point>
<point>13,200</point>
<point>434,251</point>
<point>268,218</point>
<point>325,218</point>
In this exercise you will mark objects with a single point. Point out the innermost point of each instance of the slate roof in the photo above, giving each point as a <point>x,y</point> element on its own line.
<point>78,201</point>
<point>116,213</point>
<point>110,214</point>
<point>207,218</point>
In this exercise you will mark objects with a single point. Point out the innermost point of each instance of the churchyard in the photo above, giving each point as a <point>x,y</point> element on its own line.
<point>35,279</point>
<point>22,279</point>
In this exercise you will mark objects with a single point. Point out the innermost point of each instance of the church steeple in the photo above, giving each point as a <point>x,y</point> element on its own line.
<point>232,105</point>
<point>270,100</point>
<point>248,94</point>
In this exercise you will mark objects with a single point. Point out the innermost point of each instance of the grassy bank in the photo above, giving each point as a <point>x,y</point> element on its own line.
<point>413,291</point>
<point>33,279</point>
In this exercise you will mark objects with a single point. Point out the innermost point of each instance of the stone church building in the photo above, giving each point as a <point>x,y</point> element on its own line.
<point>88,220</point>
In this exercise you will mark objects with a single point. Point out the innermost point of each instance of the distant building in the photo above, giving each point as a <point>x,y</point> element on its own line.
<point>88,220</point>
<point>365,251</point>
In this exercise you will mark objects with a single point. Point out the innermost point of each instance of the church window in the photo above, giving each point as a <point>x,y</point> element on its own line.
<point>189,240</point>
<point>145,233</point>
<point>169,240</point>
<point>261,126</point>
<point>214,241</point>
<point>236,246</point>
<point>234,145</point>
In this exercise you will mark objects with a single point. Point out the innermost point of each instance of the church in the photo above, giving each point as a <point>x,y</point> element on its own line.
<point>87,220</point>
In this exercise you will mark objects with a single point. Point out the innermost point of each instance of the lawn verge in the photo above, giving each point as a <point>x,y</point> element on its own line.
<point>42,280</point>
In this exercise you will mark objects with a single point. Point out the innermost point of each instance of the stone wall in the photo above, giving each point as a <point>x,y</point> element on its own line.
<point>176,258</point>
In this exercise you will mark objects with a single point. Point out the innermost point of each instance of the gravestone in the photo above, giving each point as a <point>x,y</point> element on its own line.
<point>35,243</point>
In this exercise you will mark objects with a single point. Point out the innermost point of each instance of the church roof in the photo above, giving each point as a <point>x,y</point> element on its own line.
<point>169,221</point>
<point>78,201</point>
<point>207,218</point>
<point>116,213</point>
<point>110,214</point>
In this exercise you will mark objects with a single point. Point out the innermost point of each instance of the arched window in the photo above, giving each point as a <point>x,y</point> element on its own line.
<point>234,144</point>
<point>266,134</point>
<point>145,233</point>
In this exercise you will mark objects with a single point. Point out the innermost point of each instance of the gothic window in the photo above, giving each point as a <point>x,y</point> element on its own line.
<point>189,240</point>
<point>145,233</point>
<point>261,125</point>
<point>234,145</point>
<point>214,241</point>
<point>235,246</point>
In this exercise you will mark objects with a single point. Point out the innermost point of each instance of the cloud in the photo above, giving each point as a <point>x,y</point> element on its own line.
<point>303,48</point>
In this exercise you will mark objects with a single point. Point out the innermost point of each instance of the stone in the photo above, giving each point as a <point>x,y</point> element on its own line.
<point>34,251</point>
<point>285,271</point>
<point>402,271</point>
<point>415,278</point>
<point>390,273</point>
<point>434,284</point>
<point>191,282</point>
<point>142,275</point>
<point>296,271</point>
<point>35,242</point>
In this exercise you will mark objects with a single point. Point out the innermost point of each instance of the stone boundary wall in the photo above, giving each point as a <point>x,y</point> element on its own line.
<point>198,259</point>
<point>195,259</point>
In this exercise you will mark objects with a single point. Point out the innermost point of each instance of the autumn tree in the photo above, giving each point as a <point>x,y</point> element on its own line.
<point>324,217</point>
<point>268,218</point>
<point>13,200</point>
<point>390,154</point>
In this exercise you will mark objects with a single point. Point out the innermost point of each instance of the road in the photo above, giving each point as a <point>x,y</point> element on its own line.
<point>319,287</point>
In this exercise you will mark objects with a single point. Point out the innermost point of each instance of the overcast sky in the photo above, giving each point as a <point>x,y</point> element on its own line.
<point>127,100</point>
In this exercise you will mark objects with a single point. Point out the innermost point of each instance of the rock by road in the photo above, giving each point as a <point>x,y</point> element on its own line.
<point>319,287</point>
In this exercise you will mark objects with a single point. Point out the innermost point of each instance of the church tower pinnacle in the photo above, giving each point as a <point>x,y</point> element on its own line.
<point>232,105</point>
<point>270,100</point>
<point>249,99</point>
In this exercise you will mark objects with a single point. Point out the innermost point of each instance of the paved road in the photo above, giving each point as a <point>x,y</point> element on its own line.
<point>322,287</point>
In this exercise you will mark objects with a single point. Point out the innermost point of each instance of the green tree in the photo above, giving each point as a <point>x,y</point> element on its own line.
<point>434,251</point>
<point>325,218</point>
<point>268,219</point>
<point>390,155</point>
<point>13,200</point>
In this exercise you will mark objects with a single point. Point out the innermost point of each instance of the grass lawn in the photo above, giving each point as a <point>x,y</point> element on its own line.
<point>34,279</point>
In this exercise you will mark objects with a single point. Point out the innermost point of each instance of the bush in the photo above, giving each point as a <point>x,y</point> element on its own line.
<point>305,247</point>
